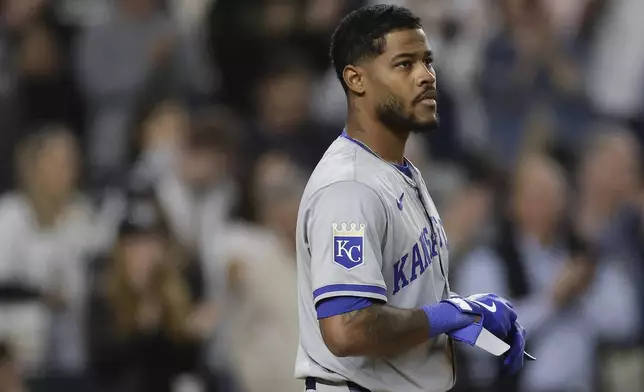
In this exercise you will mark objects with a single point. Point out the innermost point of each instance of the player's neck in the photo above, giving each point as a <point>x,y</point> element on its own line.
<point>386,143</point>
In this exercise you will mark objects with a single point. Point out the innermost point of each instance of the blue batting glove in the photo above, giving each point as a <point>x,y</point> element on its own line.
<point>514,358</point>
<point>497,316</point>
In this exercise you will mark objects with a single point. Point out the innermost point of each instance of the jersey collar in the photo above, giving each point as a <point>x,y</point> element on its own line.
<point>413,170</point>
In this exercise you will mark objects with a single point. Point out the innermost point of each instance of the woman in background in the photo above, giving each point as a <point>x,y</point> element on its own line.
<point>144,328</point>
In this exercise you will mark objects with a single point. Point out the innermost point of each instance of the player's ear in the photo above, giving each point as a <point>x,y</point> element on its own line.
<point>354,78</point>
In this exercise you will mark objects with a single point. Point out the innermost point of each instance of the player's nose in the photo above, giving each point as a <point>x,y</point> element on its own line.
<point>426,75</point>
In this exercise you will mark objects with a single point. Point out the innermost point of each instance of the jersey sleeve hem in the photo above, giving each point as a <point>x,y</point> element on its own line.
<point>350,290</point>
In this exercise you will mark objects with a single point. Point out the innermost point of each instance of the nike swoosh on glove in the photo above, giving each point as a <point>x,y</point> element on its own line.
<point>513,361</point>
<point>497,316</point>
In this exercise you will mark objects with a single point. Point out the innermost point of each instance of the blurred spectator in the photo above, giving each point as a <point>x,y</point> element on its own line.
<point>21,21</point>
<point>144,327</point>
<point>608,179</point>
<point>266,29</point>
<point>530,71</point>
<point>615,79</point>
<point>191,165</point>
<point>283,117</point>
<point>115,61</point>
<point>47,90</point>
<point>197,192</point>
<point>202,78</point>
<point>193,168</point>
<point>10,377</point>
<point>261,318</point>
<point>610,214</point>
<point>550,281</point>
<point>48,234</point>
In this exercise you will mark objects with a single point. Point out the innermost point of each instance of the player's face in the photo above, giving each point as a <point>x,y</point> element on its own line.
<point>403,82</point>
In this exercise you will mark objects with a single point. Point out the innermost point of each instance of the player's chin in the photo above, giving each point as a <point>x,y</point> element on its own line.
<point>426,123</point>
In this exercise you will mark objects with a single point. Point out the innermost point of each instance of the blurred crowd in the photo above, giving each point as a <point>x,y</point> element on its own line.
<point>154,153</point>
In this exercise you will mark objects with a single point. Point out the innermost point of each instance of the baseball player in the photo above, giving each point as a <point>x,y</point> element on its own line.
<point>375,310</point>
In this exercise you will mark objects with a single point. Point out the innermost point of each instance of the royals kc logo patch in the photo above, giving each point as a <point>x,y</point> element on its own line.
<point>348,244</point>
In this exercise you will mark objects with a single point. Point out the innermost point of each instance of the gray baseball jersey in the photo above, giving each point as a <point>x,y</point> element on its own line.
<point>366,229</point>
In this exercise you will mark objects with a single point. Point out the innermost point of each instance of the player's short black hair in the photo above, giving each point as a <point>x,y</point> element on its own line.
<point>361,34</point>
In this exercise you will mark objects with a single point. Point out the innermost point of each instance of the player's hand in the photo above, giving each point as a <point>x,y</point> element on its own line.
<point>513,361</point>
<point>497,314</point>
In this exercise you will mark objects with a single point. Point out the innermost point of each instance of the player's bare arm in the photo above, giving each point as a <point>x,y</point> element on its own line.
<point>381,330</point>
<point>377,330</point>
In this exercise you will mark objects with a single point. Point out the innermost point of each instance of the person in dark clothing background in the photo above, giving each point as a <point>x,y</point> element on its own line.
<point>141,333</point>
<point>47,91</point>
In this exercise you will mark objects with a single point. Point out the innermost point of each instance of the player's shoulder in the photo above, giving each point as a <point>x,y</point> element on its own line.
<point>337,165</point>
<point>346,165</point>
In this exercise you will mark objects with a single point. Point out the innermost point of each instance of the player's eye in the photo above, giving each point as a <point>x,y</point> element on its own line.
<point>428,61</point>
<point>404,64</point>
